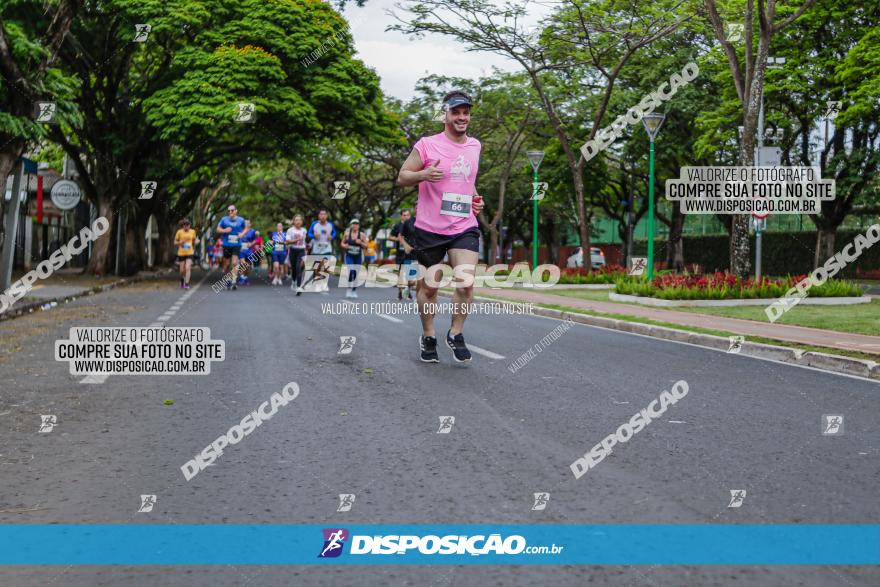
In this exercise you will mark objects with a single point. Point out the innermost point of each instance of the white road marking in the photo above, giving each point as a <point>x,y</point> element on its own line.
<point>94,379</point>
<point>676,422</point>
<point>389,318</point>
<point>484,352</point>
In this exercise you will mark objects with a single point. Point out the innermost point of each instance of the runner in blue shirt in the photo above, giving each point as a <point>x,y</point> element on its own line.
<point>279,254</point>
<point>232,228</point>
<point>247,251</point>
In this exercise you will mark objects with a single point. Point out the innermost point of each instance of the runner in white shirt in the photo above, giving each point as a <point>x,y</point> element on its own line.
<point>321,233</point>
<point>296,239</point>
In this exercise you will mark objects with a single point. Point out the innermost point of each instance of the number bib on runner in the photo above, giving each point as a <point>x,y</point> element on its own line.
<point>233,239</point>
<point>456,205</point>
<point>279,247</point>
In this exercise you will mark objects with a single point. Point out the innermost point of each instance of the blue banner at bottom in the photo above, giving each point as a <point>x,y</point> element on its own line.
<point>428,544</point>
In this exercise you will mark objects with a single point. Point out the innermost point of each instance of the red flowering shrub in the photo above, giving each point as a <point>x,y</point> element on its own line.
<point>720,285</point>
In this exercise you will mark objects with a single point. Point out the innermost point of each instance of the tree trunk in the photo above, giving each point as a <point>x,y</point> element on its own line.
<point>165,249</point>
<point>555,243</point>
<point>675,246</point>
<point>135,255</point>
<point>8,157</point>
<point>103,251</point>
<point>585,221</point>
<point>493,244</point>
<point>825,244</point>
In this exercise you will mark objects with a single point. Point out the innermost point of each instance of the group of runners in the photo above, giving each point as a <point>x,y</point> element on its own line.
<point>444,166</point>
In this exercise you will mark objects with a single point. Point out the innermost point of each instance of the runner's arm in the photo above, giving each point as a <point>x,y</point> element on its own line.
<point>413,172</point>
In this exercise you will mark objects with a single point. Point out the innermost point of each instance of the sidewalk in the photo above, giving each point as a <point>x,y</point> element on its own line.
<point>796,334</point>
<point>70,284</point>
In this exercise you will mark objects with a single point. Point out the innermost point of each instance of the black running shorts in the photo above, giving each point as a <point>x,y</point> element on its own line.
<point>430,247</point>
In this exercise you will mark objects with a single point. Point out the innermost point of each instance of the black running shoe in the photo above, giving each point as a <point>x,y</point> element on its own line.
<point>460,352</point>
<point>428,346</point>
<point>234,286</point>
<point>399,293</point>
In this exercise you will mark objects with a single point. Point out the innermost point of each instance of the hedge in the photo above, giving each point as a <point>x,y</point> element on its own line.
<point>783,253</point>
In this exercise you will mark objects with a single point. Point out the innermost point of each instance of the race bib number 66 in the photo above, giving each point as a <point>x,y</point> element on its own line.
<point>456,205</point>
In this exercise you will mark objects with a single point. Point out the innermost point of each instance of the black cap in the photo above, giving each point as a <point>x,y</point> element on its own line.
<point>456,101</point>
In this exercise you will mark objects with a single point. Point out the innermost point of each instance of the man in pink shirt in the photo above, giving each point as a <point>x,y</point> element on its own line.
<point>445,166</point>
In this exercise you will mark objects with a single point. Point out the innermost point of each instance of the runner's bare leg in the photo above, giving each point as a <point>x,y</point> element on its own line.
<point>462,297</point>
<point>426,297</point>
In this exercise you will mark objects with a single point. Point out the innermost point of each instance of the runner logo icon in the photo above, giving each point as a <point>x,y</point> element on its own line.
<point>638,266</point>
<point>736,498</point>
<point>346,501</point>
<point>346,345</point>
<point>541,500</point>
<point>141,33</point>
<point>736,343</point>
<point>832,424</point>
<point>47,423</point>
<point>334,540</point>
<point>446,424</point>
<point>340,189</point>
<point>147,503</point>
<point>46,111</point>
<point>148,189</point>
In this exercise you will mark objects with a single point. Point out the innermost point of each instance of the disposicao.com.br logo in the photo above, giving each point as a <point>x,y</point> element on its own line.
<point>334,541</point>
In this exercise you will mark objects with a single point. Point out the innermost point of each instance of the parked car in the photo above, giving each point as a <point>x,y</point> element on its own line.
<point>597,258</point>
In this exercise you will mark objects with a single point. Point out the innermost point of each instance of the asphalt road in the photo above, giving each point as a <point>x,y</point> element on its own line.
<point>366,424</point>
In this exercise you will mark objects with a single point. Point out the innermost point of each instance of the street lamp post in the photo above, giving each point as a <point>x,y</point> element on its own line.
<point>535,157</point>
<point>652,122</point>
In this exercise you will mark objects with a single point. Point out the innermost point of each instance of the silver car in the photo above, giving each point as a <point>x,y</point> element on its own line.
<point>597,258</point>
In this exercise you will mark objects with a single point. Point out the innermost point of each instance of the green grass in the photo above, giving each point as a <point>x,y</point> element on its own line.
<point>857,318</point>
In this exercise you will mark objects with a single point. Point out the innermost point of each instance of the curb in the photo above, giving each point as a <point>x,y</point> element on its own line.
<point>31,306</point>
<point>826,362</point>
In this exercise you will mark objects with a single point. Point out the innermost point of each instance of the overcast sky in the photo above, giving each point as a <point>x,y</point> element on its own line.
<point>400,61</point>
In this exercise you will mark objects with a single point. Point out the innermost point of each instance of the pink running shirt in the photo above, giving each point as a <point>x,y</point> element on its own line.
<point>459,164</point>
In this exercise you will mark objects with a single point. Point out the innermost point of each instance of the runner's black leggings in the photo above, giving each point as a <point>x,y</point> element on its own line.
<point>296,266</point>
